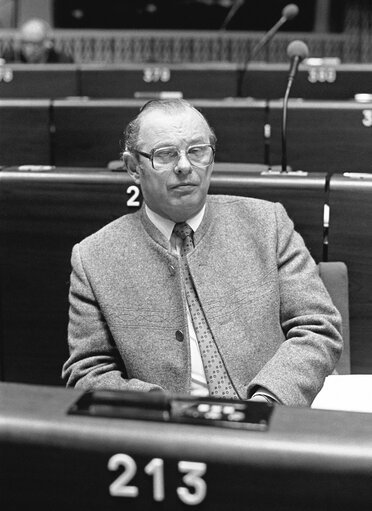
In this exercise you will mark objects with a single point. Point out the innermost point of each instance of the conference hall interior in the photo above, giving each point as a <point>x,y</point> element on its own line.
<point>287,90</point>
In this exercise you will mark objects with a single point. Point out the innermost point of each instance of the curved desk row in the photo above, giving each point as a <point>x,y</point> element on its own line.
<point>321,136</point>
<point>326,79</point>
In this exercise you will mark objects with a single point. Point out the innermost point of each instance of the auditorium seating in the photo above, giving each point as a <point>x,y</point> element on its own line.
<point>325,80</point>
<point>322,136</point>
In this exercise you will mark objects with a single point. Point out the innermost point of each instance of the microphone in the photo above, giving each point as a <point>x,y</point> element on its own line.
<point>288,13</point>
<point>296,51</point>
<point>236,5</point>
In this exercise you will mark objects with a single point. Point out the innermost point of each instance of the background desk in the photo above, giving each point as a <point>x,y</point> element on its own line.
<point>204,80</point>
<point>307,459</point>
<point>43,81</point>
<point>89,133</point>
<point>329,136</point>
<point>25,132</point>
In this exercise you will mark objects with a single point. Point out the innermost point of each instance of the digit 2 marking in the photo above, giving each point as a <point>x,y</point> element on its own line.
<point>132,202</point>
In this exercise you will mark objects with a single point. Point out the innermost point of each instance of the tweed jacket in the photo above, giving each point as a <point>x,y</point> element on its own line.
<point>270,314</point>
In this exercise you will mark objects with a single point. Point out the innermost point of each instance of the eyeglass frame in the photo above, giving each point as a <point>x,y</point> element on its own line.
<point>150,155</point>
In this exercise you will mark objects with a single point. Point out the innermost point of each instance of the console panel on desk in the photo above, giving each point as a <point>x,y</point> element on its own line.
<point>45,81</point>
<point>350,240</point>
<point>88,133</point>
<point>25,132</point>
<point>306,459</point>
<point>323,136</point>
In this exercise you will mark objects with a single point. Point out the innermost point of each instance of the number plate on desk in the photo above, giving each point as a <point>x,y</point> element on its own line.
<point>192,492</point>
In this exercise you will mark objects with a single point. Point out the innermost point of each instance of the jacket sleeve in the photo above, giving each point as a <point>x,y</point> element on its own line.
<point>94,361</point>
<point>310,322</point>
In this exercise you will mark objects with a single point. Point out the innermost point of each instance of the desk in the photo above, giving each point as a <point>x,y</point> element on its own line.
<point>25,131</point>
<point>307,459</point>
<point>207,80</point>
<point>323,136</point>
<point>39,81</point>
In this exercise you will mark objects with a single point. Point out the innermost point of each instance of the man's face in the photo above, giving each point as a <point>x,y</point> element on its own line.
<point>34,51</point>
<point>178,193</point>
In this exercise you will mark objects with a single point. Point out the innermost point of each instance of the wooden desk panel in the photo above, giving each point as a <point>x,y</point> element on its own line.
<point>323,136</point>
<point>24,132</point>
<point>88,133</point>
<point>39,81</point>
<point>350,240</point>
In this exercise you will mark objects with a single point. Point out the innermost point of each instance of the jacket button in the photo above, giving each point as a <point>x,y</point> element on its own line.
<point>172,269</point>
<point>179,335</point>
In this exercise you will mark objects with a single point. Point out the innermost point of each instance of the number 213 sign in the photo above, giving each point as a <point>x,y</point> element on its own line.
<point>192,493</point>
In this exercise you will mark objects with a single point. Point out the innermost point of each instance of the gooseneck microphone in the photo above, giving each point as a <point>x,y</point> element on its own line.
<point>296,51</point>
<point>288,13</point>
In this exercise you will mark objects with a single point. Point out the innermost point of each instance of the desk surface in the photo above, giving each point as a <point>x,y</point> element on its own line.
<point>314,458</point>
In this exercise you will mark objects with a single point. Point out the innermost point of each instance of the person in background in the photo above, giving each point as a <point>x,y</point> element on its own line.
<point>34,45</point>
<point>196,293</point>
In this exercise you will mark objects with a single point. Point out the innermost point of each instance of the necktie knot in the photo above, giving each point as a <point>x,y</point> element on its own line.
<point>182,230</point>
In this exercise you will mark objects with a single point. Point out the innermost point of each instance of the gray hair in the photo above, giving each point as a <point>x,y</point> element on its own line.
<point>131,133</point>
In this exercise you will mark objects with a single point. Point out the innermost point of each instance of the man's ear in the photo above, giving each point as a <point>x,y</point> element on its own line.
<point>131,165</point>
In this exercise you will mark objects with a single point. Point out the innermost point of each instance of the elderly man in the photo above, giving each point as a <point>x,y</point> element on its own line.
<point>196,293</point>
<point>34,45</point>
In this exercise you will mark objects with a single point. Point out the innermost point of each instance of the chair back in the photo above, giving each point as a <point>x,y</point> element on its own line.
<point>335,277</point>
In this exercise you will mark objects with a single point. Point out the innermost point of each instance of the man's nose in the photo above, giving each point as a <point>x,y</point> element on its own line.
<point>183,165</point>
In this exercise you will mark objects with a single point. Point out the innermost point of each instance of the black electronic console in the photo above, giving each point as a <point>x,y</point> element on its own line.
<point>160,406</point>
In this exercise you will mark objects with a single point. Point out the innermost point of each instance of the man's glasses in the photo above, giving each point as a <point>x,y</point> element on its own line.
<point>166,158</point>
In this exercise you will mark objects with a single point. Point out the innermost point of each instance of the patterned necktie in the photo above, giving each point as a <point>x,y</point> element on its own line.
<point>217,378</point>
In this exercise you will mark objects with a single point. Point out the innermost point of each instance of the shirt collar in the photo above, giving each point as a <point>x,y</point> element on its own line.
<point>166,226</point>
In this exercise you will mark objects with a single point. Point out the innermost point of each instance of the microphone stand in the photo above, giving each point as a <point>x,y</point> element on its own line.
<point>237,4</point>
<point>261,43</point>
<point>284,127</point>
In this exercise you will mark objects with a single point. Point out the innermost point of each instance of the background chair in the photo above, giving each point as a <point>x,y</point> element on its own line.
<point>335,278</point>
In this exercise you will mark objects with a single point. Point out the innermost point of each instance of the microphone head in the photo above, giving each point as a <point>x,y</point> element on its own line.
<point>297,49</point>
<point>290,11</point>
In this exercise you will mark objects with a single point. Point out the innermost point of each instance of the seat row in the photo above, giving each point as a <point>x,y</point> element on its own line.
<point>327,136</point>
<point>316,79</point>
